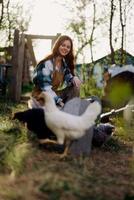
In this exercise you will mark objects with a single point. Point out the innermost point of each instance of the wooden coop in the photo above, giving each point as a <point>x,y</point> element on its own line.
<point>23,56</point>
<point>119,88</point>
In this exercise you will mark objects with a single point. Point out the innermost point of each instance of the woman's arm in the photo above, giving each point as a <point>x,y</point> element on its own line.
<point>76,81</point>
<point>71,80</point>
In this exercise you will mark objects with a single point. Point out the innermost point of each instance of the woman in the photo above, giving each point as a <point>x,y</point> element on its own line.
<point>56,71</point>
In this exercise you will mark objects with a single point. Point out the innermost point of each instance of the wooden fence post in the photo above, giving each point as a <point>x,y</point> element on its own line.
<point>17,62</point>
<point>30,47</point>
<point>20,67</point>
<point>27,64</point>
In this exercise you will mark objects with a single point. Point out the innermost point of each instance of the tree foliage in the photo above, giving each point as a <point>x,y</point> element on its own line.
<point>104,23</point>
<point>13,16</point>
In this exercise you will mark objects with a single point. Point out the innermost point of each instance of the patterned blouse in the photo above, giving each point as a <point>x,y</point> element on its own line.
<point>44,75</point>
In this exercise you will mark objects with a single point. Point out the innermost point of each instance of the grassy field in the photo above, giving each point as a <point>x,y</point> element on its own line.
<point>28,172</point>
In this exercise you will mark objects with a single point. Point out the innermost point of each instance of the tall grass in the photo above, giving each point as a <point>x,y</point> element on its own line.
<point>13,140</point>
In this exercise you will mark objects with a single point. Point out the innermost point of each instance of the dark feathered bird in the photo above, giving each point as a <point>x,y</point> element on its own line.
<point>34,119</point>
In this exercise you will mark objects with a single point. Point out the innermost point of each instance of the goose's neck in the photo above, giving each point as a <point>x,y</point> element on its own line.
<point>50,107</point>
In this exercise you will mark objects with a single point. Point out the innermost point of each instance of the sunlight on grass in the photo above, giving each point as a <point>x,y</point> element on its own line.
<point>10,194</point>
<point>124,130</point>
<point>13,140</point>
<point>15,159</point>
<point>13,148</point>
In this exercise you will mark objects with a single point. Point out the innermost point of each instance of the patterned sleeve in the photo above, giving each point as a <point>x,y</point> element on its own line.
<point>68,77</point>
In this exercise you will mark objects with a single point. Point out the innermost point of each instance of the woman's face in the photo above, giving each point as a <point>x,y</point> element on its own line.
<point>65,48</point>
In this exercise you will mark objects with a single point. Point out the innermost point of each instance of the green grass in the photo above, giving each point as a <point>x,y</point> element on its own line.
<point>28,172</point>
<point>89,89</point>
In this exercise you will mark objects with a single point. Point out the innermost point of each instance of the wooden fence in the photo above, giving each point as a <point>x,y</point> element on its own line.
<point>22,57</point>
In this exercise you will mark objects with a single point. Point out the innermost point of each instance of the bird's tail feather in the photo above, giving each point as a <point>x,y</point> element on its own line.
<point>91,113</point>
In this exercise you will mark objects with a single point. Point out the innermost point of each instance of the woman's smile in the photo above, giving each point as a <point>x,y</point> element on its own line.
<point>65,48</point>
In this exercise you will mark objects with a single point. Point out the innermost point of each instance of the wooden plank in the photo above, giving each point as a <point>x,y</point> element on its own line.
<point>20,67</point>
<point>53,38</point>
<point>26,70</point>
<point>13,80</point>
<point>17,62</point>
<point>30,47</point>
<point>46,37</point>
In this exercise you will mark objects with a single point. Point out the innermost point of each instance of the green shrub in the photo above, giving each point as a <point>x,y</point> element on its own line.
<point>89,88</point>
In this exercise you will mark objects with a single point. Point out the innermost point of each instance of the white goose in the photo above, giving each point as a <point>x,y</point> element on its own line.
<point>66,126</point>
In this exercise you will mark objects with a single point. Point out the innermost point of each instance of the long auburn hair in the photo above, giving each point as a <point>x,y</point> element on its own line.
<point>69,58</point>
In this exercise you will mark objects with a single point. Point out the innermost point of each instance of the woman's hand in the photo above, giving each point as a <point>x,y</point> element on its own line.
<point>61,104</point>
<point>76,81</point>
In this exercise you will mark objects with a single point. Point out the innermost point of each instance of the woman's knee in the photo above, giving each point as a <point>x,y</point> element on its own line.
<point>73,92</point>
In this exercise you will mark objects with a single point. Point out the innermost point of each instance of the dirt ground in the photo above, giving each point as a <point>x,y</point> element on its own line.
<point>108,172</point>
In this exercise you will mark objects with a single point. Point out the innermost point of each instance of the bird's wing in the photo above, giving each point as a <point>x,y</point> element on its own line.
<point>61,120</point>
